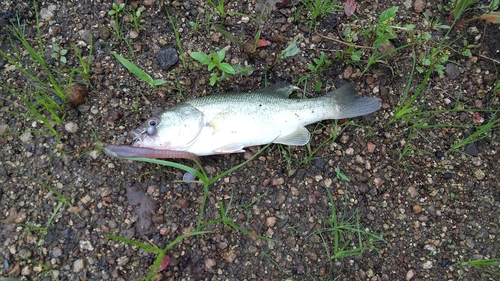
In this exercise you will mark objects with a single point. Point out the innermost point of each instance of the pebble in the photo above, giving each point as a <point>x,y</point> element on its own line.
<point>427,265</point>
<point>71,127</point>
<point>417,209</point>
<point>133,34</point>
<point>349,151</point>
<point>47,14</point>
<point>78,265</point>
<point>167,57</point>
<point>370,146</point>
<point>279,181</point>
<point>56,252</point>
<point>121,261</point>
<point>209,263</point>
<point>94,154</point>
<point>24,254</point>
<point>419,6</point>
<point>471,149</point>
<point>413,192</point>
<point>271,221</point>
<point>479,174</point>
<point>252,249</point>
<point>77,95</point>
<point>26,271</point>
<point>26,137</point>
<point>4,128</point>
<point>452,70</point>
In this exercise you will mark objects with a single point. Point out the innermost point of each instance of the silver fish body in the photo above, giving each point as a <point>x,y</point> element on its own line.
<point>226,123</point>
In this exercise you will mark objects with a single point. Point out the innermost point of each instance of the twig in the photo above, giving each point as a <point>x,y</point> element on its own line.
<point>345,43</point>
<point>488,58</point>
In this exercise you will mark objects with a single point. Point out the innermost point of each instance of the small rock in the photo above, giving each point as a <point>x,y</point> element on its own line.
<point>271,221</point>
<point>133,34</point>
<point>413,192</point>
<point>279,181</point>
<point>427,265</point>
<point>26,271</point>
<point>347,72</point>
<point>209,263</point>
<point>410,274</point>
<point>385,48</point>
<point>419,6</point>
<point>47,14</point>
<point>94,154</point>
<point>349,151</point>
<point>71,127</point>
<point>4,128</point>
<point>56,252</point>
<point>252,249</point>
<point>78,265</point>
<point>85,35</point>
<point>370,146</point>
<point>471,149</point>
<point>479,174</point>
<point>26,137</point>
<point>417,209</point>
<point>452,70</point>
<point>167,57</point>
<point>24,254</point>
<point>121,261</point>
<point>77,94</point>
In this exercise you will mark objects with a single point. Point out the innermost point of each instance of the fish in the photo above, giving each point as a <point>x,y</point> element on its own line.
<point>228,122</point>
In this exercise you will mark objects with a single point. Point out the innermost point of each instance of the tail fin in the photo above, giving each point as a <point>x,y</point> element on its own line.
<point>350,104</point>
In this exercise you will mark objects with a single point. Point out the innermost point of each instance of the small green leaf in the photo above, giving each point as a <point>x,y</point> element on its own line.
<point>55,55</point>
<point>291,50</point>
<point>466,53</point>
<point>134,69</point>
<point>317,86</point>
<point>341,175</point>
<point>211,65</point>
<point>63,59</point>
<point>158,82</point>
<point>243,70</point>
<point>221,54</point>
<point>63,52</point>
<point>111,12</point>
<point>201,57</point>
<point>356,56</point>
<point>227,68</point>
<point>213,79</point>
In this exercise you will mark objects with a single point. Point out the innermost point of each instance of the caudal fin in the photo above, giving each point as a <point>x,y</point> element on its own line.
<point>350,104</point>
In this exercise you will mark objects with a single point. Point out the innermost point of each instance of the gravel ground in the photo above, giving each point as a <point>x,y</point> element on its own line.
<point>434,207</point>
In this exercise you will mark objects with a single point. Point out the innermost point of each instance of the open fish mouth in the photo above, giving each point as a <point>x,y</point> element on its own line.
<point>137,135</point>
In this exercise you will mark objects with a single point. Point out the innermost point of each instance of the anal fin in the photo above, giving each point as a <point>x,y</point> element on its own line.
<point>300,136</point>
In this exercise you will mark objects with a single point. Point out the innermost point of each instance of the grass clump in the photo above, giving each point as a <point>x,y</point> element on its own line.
<point>44,95</point>
<point>346,235</point>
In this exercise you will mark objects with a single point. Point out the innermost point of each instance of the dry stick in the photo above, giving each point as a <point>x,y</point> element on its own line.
<point>345,43</point>
<point>487,58</point>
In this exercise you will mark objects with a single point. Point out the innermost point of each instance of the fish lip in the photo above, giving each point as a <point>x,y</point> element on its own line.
<point>137,135</point>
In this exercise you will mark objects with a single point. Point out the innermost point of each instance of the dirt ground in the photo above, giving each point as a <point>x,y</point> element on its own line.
<point>434,207</point>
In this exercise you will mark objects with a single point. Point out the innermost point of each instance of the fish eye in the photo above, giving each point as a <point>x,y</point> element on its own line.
<point>153,122</point>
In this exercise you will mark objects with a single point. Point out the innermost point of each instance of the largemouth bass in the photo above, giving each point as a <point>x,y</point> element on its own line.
<point>229,122</point>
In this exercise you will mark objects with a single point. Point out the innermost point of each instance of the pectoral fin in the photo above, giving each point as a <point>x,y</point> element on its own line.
<point>230,148</point>
<point>218,120</point>
<point>298,137</point>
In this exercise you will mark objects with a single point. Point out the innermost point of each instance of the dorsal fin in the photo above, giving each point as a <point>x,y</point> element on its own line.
<point>281,89</point>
